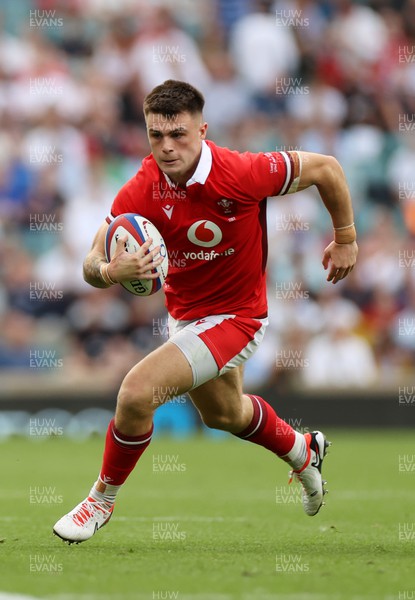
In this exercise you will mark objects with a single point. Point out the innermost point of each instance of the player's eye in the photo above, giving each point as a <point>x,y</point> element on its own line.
<point>177,134</point>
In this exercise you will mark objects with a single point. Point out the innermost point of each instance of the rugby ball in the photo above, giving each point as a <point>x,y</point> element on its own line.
<point>137,229</point>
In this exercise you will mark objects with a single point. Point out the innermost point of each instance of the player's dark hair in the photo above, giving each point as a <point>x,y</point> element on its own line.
<point>173,97</point>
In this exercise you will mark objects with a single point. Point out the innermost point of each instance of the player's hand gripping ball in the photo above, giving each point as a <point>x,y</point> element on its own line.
<point>137,229</point>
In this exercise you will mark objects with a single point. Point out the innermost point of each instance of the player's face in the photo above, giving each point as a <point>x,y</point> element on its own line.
<point>176,143</point>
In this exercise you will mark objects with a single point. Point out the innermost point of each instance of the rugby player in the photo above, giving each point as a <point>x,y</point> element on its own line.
<point>214,223</point>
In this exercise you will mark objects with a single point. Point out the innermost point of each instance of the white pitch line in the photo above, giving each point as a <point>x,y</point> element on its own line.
<point>198,596</point>
<point>11,596</point>
<point>7,519</point>
<point>312,596</point>
<point>174,595</point>
<point>194,519</point>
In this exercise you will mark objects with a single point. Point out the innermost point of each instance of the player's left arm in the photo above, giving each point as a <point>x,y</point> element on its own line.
<point>327,175</point>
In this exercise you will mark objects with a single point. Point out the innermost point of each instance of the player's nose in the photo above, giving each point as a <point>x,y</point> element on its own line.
<point>167,147</point>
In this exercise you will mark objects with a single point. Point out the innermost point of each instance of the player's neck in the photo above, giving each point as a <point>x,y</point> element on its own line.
<point>181,180</point>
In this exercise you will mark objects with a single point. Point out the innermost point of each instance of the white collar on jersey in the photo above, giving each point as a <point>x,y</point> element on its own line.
<point>202,170</point>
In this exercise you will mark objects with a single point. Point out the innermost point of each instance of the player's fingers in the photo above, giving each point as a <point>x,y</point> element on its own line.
<point>332,272</point>
<point>326,260</point>
<point>120,245</point>
<point>155,252</point>
<point>335,274</point>
<point>339,274</point>
<point>346,272</point>
<point>151,272</point>
<point>150,262</point>
<point>144,248</point>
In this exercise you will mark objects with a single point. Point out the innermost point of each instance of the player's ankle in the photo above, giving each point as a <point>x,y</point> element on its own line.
<point>298,455</point>
<point>104,492</point>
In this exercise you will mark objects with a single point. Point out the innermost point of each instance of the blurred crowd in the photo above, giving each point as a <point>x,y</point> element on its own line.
<point>334,76</point>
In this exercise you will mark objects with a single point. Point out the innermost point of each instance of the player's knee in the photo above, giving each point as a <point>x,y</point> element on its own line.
<point>136,403</point>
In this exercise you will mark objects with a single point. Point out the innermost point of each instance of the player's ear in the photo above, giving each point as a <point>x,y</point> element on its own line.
<point>202,130</point>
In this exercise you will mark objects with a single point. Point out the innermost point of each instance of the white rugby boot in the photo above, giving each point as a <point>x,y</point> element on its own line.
<point>83,521</point>
<point>310,474</point>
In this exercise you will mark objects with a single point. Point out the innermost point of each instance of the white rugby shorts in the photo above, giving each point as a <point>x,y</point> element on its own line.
<point>213,345</point>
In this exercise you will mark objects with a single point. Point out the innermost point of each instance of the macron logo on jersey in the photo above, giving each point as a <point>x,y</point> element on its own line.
<point>168,210</point>
<point>204,233</point>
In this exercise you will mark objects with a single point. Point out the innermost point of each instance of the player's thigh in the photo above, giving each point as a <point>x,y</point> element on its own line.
<point>217,344</point>
<point>219,401</point>
<point>162,374</point>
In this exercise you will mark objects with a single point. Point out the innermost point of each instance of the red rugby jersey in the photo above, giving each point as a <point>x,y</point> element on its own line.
<point>214,228</point>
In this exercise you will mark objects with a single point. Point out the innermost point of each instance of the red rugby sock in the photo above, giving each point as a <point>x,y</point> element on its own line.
<point>268,430</point>
<point>121,454</point>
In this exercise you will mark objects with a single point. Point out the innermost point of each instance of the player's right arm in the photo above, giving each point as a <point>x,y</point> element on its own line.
<point>122,266</point>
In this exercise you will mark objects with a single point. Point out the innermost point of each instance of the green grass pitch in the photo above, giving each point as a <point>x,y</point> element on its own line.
<point>208,519</point>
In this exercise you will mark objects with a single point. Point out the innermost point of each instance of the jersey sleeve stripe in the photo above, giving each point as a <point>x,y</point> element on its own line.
<point>290,172</point>
<point>296,162</point>
<point>110,217</point>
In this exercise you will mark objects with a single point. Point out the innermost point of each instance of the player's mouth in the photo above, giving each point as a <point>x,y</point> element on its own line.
<point>171,161</point>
